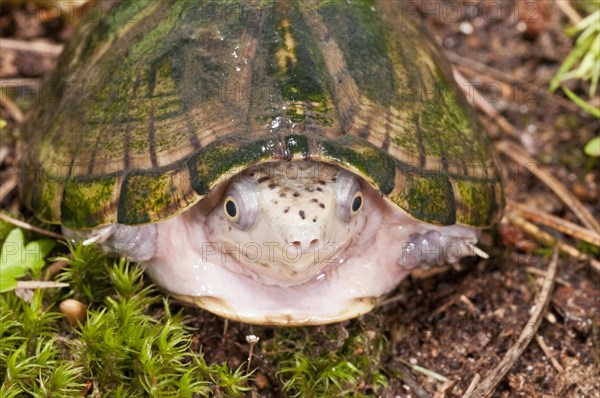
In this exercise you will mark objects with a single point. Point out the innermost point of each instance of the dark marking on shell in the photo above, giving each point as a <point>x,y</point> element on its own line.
<point>262,179</point>
<point>319,189</point>
<point>272,186</point>
<point>301,213</point>
<point>286,209</point>
<point>314,200</point>
<point>321,182</point>
<point>322,205</point>
<point>282,195</point>
<point>296,194</point>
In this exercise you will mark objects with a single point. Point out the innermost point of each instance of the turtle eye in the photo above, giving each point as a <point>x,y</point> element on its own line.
<point>348,195</point>
<point>357,202</point>
<point>231,209</point>
<point>241,204</point>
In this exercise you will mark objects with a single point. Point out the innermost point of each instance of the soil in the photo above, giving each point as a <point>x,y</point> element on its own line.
<point>458,322</point>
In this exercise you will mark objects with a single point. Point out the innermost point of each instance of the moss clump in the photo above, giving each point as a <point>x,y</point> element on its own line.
<point>121,350</point>
<point>329,361</point>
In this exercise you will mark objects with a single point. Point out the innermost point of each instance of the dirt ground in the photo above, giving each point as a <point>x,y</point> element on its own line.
<point>460,321</point>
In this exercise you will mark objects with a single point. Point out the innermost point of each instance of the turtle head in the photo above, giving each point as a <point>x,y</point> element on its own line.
<point>288,221</point>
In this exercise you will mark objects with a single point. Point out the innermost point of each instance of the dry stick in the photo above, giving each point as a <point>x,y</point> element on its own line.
<point>479,67</point>
<point>31,285</point>
<point>33,83</point>
<point>542,273</point>
<point>447,386</point>
<point>486,387</point>
<point>549,240</point>
<point>4,150</point>
<point>472,385</point>
<point>554,222</point>
<point>520,85</point>
<point>566,7</point>
<point>548,353</point>
<point>518,155</point>
<point>29,227</point>
<point>12,108</point>
<point>410,381</point>
<point>474,97</point>
<point>38,46</point>
<point>8,187</point>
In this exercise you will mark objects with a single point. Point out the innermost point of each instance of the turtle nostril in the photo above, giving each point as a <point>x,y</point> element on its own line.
<point>313,243</point>
<point>296,244</point>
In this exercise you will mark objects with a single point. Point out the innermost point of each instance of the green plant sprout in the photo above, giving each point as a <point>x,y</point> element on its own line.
<point>583,62</point>
<point>18,259</point>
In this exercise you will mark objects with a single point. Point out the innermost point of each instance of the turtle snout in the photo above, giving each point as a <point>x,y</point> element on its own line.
<point>300,248</point>
<point>300,254</point>
<point>306,244</point>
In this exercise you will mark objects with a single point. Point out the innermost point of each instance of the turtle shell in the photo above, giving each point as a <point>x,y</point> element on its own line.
<point>157,102</point>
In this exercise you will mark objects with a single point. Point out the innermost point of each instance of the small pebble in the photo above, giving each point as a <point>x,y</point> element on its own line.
<point>466,28</point>
<point>73,310</point>
<point>261,381</point>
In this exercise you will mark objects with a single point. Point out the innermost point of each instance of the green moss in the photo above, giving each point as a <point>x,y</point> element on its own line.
<point>374,164</point>
<point>85,203</point>
<point>122,349</point>
<point>479,203</point>
<point>333,363</point>
<point>428,198</point>
<point>217,163</point>
<point>145,197</point>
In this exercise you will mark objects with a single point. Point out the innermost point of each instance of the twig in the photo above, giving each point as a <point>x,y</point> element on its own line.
<point>410,381</point>
<point>548,353</point>
<point>12,108</point>
<point>8,186</point>
<point>29,227</point>
<point>472,385</point>
<point>427,372</point>
<point>34,83</point>
<point>554,222</point>
<point>542,273</point>
<point>566,7</point>
<point>481,68</point>
<point>549,240</point>
<point>473,96</point>
<point>55,268</point>
<point>486,387</point>
<point>514,152</point>
<point>516,84</point>
<point>4,151</point>
<point>447,386</point>
<point>31,285</point>
<point>38,46</point>
<point>470,306</point>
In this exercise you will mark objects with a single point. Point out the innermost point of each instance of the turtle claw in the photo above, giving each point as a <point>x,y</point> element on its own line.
<point>478,251</point>
<point>137,243</point>
<point>436,247</point>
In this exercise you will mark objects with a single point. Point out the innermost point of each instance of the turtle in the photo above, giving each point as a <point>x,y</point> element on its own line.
<point>277,163</point>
